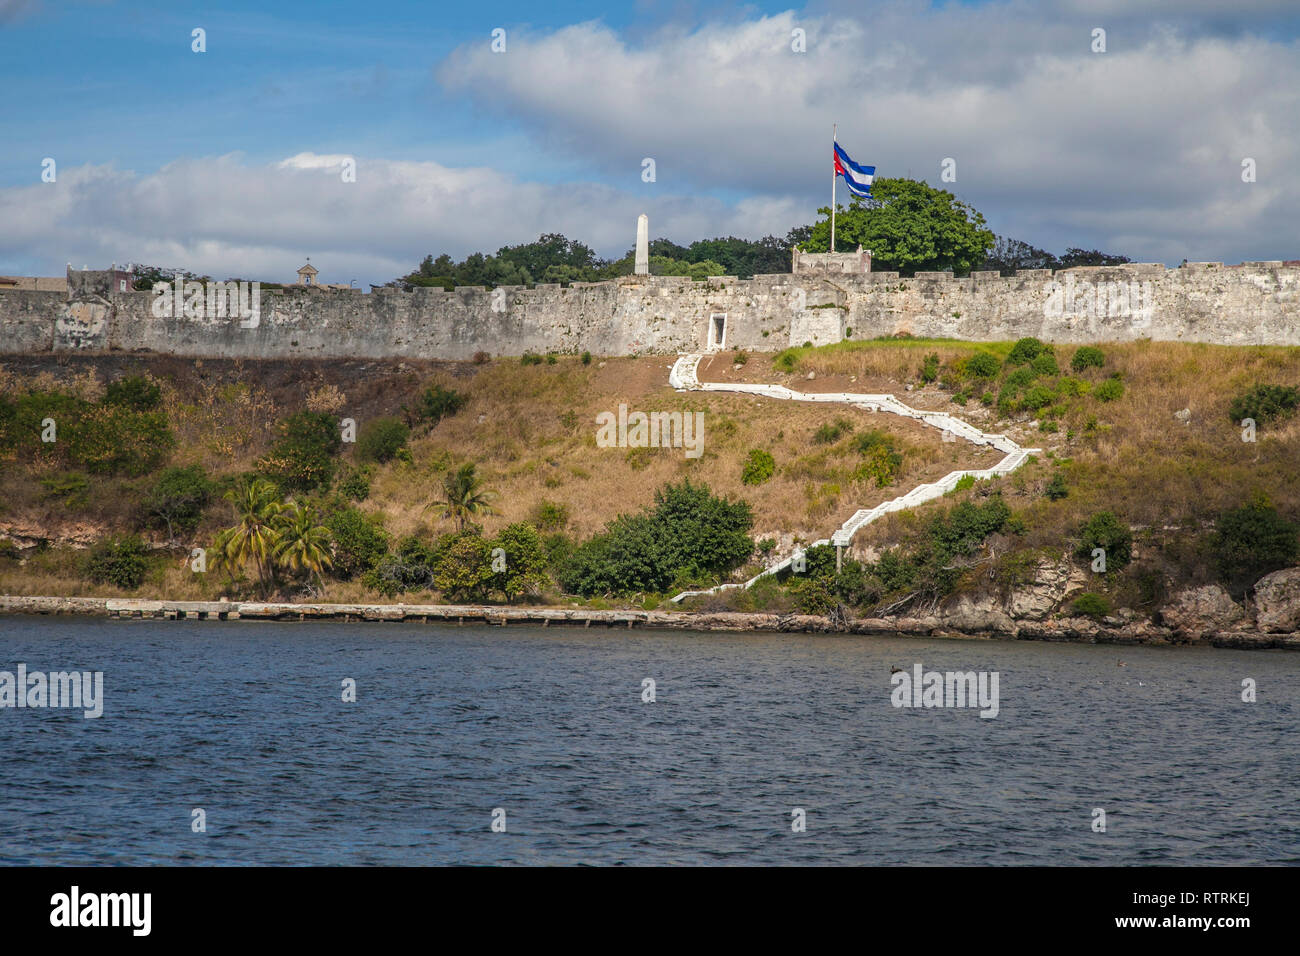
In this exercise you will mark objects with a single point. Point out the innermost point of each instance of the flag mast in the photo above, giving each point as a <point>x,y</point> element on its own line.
<point>834,138</point>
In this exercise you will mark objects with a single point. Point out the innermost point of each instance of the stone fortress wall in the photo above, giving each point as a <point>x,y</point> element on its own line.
<point>1247,304</point>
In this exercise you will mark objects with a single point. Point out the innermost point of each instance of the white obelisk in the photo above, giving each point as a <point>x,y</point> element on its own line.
<point>641,265</point>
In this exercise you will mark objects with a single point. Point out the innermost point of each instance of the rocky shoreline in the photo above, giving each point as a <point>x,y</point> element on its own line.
<point>961,625</point>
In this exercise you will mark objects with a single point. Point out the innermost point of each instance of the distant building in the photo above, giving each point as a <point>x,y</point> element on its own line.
<point>307,276</point>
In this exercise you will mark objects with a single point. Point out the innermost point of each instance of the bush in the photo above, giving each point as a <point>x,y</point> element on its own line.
<point>1087,356</point>
<point>1091,605</point>
<point>1264,403</point>
<point>302,456</point>
<point>116,439</point>
<point>359,542</point>
<point>786,360</point>
<point>380,439</point>
<point>119,561</point>
<point>550,516</point>
<point>1037,397</point>
<point>1025,351</point>
<point>134,392</point>
<point>1056,489</point>
<point>1045,364</point>
<point>355,486</point>
<point>482,358</point>
<point>688,534</point>
<point>525,561</point>
<point>1251,541</point>
<point>1109,390</point>
<point>759,467</point>
<point>983,365</point>
<point>586,358</point>
<point>832,432</point>
<point>177,499</point>
<point>930,367</point>
<point>740,358</point>
<point>70,488</point>
<point>464,567</point>
<point>1104,530</point>
<point>529,358</point>
<point>437,403</point>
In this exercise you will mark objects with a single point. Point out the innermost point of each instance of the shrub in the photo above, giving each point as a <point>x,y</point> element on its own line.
<point>381,438</point>
<point>1045,364</point>
<point>359,542</point>
<point>1056,489</point>
<point>525,561</point>
<point>740,358</point>
<point>1087,356</point>
<point>437,403</point>
<point>964,482</point>
<point>1091,604</point>
<point>1104,530</point>
<point>689,534</point>
<point>355,485</point>
<point>464,567</point>
<point>1109,390</point>
<point>71,488</point>
<point>1025,351</point>
<point>831,432</point>
<point>177,499</point>
<point>482,358</point>
<point>930,367</point>
<point>586,358</point>
<point>529,358</point>
<point>134,392</point>
<point>880,464</point>
<point>786,360</point>
<point>550,516</point>
<point>1264,403</point>
<point>119,561</point>
<point>759,467</point>
<point>1251,541</point>
<point>1037,397</point>
<point>302,456</point>
<point>983,365</point>
<point>117,439</point>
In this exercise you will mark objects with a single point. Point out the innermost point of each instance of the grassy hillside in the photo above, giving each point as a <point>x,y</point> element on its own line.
<point>1143,431</point>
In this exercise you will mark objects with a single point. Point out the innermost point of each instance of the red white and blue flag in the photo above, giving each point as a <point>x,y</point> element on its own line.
<point>858,178</point>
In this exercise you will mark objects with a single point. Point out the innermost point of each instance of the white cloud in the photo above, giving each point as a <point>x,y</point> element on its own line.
<point>223,217</point>
<point>1047,135</point>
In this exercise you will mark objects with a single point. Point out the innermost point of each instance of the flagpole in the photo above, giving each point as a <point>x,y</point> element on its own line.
<point>834,139</point>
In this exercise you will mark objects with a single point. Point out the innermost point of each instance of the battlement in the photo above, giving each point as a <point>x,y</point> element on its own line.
<point>1249,303</point>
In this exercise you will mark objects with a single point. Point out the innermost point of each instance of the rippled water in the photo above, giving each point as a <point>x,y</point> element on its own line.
<point>246,721</point>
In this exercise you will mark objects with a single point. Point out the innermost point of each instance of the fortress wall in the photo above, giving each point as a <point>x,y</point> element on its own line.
<point>1254,303</point>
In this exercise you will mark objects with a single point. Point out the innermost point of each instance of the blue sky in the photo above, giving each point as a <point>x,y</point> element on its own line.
<point>227,161</point>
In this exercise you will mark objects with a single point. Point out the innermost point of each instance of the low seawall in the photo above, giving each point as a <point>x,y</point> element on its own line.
<point>1076,630</point>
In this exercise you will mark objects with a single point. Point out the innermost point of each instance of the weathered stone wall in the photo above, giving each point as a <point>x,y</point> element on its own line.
<point>1254,303</point>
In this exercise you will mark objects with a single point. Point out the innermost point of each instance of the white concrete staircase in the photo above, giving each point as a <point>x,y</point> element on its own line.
<point>684,377</point>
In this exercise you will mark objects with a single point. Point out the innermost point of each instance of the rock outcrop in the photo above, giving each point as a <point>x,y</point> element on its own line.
<point>1277,601</point>
<point>1198,612</point>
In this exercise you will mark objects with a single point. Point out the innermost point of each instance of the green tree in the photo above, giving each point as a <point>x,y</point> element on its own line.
<point>120,561</point>
<point>381,438</point>
<point>1252,540</point>
<point>303,544</point>
<point>464,570</point>
<point>525,561</point>
<point>360,542</point>
<point>464,496</point>
<point>908,226</point>
<point>256,533</point>
<point>177,499</point>
<point>302,457</point>
<point>1104,530</point>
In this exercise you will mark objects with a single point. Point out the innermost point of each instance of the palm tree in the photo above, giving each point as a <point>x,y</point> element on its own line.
<point>255,537</point>
<point>465,496</point>
<point>304,545</point>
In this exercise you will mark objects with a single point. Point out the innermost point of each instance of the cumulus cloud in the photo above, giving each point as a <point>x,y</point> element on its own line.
<point>1143,142</point>
<point>223,217</point>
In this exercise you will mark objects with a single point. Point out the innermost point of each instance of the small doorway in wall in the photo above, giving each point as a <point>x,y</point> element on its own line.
<point>717,331</point>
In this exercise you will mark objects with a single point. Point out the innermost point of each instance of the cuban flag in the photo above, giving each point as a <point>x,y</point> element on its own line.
<point>857,178</point>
